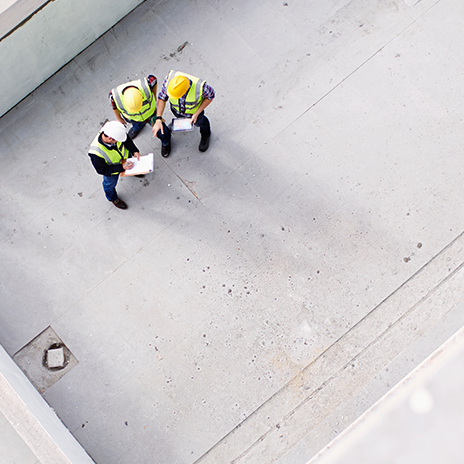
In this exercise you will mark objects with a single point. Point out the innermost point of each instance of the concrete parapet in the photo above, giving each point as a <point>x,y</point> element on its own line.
<point>39,37</point>
<point>33,419</point>
<point>419,420</point>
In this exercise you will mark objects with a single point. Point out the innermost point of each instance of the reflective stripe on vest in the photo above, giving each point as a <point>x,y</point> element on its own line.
<point>113,156</point>
<point>148,108</point>
<point>194,94</point>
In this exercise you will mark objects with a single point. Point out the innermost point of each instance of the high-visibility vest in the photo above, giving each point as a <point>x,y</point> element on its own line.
<point>113,156</point>
<point>148,108</point>
<point>194,94</point>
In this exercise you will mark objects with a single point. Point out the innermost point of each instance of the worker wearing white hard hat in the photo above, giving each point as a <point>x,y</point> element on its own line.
<point>110,154</point>
<point>135,102</point>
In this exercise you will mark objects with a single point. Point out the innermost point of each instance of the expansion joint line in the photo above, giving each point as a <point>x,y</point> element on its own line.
<point>345,78</point>
<point>326,354</point>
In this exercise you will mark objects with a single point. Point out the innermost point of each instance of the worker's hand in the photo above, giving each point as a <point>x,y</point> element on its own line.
<point>195,117</point>
<point>127,164</point>
<point>137,155</point>
<point>157,126</point>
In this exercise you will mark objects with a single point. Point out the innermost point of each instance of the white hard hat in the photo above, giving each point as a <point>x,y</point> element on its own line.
<point>115,130</point>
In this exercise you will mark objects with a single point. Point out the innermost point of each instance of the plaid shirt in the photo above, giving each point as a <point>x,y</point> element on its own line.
<point>152,81</point>
<point>208,93</point>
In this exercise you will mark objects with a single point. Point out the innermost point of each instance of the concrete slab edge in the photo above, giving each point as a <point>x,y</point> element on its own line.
<point>17,14</point>
<point>337,447</point>
<point>33,419</point>
<point>347,364</point>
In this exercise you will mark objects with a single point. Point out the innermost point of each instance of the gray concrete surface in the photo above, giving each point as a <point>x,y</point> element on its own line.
<point>374,389</point>
<point>418,421</point>
<point>12,447</point>
<point>256,294</point>
<point>30,431</point>
<point>357,369</point>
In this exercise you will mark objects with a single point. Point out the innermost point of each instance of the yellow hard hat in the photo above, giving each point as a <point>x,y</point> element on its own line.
<point>178,86</point>
<point>132,99</point>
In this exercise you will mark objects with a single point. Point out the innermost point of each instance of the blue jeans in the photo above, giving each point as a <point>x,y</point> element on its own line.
<point>109,186</point>
<point>202,122</point>
<point>137,125</point>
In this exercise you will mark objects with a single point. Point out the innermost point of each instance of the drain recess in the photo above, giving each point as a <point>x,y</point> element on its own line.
<point>55,358</point>
<point>45,359</point>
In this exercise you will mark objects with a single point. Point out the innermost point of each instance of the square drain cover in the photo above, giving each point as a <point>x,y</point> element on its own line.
<point>45,359</point>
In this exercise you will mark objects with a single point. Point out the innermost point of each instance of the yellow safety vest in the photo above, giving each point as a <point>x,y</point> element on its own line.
<point>112,156</point>
<point>148,108</point>
<point>194,95</point>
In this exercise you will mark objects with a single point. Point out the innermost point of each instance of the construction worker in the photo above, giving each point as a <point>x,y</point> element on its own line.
<point>109,153</point>
<point>189,96</point>
<point>135,102</point>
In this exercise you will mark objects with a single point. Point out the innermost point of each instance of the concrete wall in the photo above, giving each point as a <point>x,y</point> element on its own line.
<point>34,421</point>
<point>418,421</point>
<point>38,37</point>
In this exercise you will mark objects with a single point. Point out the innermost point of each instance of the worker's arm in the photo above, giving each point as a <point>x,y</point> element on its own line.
<point>160,105</point>
<point>119,117</point>
<point>116,112</point>
<point>102,167</point>
<point>133,150</point>
<point>203,105</point>
<point>153,89</point>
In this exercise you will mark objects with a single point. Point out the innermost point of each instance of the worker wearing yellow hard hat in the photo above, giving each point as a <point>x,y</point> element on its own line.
<point>135,102</point>
<point>188,96</point>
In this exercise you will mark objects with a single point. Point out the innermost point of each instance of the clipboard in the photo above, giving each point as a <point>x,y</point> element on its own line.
<point>142,166</point>
<point>181,125</point>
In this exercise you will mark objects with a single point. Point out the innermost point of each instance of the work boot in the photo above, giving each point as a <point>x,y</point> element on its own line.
<point>133,133</point>
<point>204,143</point>
<point>165,150</point>
<point>119,204</point>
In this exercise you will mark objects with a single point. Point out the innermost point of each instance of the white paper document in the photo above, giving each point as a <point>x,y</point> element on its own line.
<point>142,166</point>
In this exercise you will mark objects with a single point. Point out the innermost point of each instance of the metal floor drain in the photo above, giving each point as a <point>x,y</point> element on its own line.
<point>55,357</point>
<point>45,359</point>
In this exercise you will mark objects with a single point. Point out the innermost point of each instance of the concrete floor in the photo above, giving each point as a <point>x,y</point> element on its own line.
<point>326,211</point>
<point>418,421</point>
<point>12,447</point>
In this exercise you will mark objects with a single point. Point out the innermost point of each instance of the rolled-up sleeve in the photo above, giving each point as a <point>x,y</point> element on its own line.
<point>163,93</point>
<point>208,92</point>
